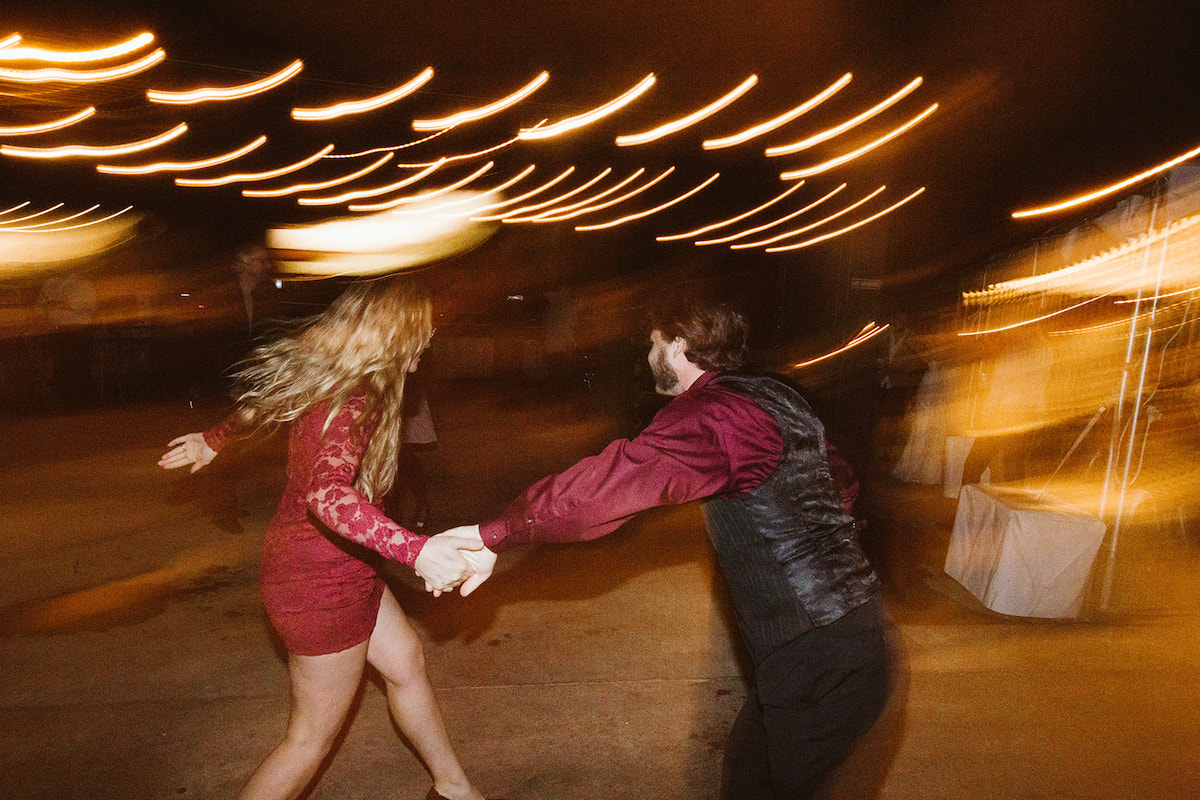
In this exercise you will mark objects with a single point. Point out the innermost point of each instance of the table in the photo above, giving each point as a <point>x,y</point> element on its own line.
<point>1021,553</point>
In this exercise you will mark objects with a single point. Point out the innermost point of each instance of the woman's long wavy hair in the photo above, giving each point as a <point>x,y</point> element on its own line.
<point>365,340</point>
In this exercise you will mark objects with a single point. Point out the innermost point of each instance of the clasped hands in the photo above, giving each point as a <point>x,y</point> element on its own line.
<point>455,557</point>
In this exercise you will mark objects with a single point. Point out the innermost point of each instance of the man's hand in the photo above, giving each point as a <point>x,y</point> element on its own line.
<point>481,559</point>
<point>187,449</point>
<point>441,563</point>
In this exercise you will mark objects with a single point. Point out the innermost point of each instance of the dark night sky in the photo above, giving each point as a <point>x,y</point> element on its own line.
<point>1038,100</point>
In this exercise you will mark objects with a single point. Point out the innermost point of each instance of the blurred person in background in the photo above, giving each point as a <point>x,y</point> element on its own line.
<point>339,382</point>
<point>806,599</point>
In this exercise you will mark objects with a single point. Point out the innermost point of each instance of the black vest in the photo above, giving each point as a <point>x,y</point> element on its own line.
<point>788,548</point>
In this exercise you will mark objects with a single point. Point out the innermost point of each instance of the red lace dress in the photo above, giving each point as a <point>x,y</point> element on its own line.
<point>321,596</point>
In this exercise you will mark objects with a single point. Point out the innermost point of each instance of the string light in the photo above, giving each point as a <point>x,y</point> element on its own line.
<point>848,228</point>
<point>471,115</point>
<point>255,176</point>
<point>615,200</point>
<point>228,93</point>
<point>782,119</point>
<point>360,106</point>
<point>77,225</point>
<point>415,198</point>
<point>870,331</point>
<point>464,156</point>
<point>182,166</point>
<point>550,202</point>
<point>731,220</point>
<point>327,184</point>
<point>649,211</point>
<point>34,215</point>
<point>751,231</point>
<point>835,162</point>
<point>72,150</point>
<point>450,203</point>
<point>45,127</point>
<point>67,218</point>
<point>810,226</point>
<point>522,197</point>
<point>56,75</point>
<point>578,121</point>
<point>391,148</point>
<point>13,53</point>
<point>374,192</point>
<point>690,119</point>
<point>551,214</point>
<point>824,136</point>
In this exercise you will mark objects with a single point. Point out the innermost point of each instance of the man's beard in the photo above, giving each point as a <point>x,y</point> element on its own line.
<point>666,379</point>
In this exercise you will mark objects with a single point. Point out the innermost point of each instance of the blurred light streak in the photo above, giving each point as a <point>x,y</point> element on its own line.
<point>462,156</point>
<point>1116,187</point>
<point>552,213</point>
<point>473,114</point>
<point>17,207</point>
<point>227,93</point>
<point>9,53</point>
<point>415,198</point>
<point>45,127</point>
<point>450,203</point>
<point>1043,318</point>
<point>731,220</point>
<point>836,162</point>
<point>610,203</point>
<point>305,187</point>
<point>650,211</point>
<point>97,221</point>
<point>531,193</point>
<point>181,166</point>
<point>782,119</point>
<point>810,226</point>
<point>68,151</point>
<point>255,176</point>
<point>751,231</point>
<point>869,331</point>
<point>524,209</point>
<point>689,120</point>
<point>68,218</point>
<point>24,249</point>
<point>375,192</point>
<point>7,222</point>
<point>579,120</point>
<point>360,106</point>
<point>824,136</point>
<point>56,75</point>
<point>12,41</point>
<point>391,148</point>
<point>1158,297</point>
<point>848,228</point>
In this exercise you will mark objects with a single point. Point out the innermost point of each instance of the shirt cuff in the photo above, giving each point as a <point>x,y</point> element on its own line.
<point>496,535</point>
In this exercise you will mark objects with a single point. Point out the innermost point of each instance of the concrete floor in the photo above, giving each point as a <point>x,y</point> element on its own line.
<point>135,661</point>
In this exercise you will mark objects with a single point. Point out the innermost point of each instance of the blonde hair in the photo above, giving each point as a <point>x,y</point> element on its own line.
<point>364,341</point>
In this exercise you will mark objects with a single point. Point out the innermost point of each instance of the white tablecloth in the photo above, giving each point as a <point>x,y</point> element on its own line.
<point>1022,555</point>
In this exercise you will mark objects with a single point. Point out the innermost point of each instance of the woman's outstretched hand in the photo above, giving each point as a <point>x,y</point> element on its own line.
<point>187,449</point>
<point>441,563</point>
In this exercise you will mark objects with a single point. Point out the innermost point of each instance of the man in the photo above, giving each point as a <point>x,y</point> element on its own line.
<point>805,597</point>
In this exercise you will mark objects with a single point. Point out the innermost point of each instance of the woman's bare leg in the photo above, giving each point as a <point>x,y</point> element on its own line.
<point>323,687</point>
<point>395,650</point>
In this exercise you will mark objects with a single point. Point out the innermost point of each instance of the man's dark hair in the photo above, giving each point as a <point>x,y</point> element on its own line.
<point>714,332</point>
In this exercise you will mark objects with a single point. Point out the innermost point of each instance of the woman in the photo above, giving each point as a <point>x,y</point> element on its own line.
<point>339,381</point>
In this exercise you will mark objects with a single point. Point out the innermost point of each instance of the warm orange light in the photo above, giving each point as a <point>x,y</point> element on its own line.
<point>12,53</point>
<point>358,194</point>
<point>44,127</point>
<point>531,193</point>
<point>56,75</point>
<point>1116,187</point>
<point>228,93</point>
<point>578,121</point>
<point>866,334</point>
<point>825,136</point>
<point>326,184</point>
<point>72,150</point>
<point>389,149</point>
<point>34,215</point>
<point>471,115</point>
<point>848,228</point>
<point>836,162</point>
<point>451,203</point>
<point>416,198</point>
<point>181,166</point>
<point>811,225</point>
<point>690,119</point>
<point>782,119</point>
<point>463,156</point>
<point>552,214</point>
<point>10,41</point>
<point>765,226</point>
<point>67,218</point>
<point>731,220</point>
<point>525,209</point>
<point>18,206</point>
<point>614,201</point>
<point>255,176</point>
<point>369,104</point>
<point>97,221</point>
<point>649,211</point>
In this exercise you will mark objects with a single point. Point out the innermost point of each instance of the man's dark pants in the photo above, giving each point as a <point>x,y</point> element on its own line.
<point>811,701</point>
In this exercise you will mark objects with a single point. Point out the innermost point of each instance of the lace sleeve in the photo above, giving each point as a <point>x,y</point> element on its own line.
<point>331,494</point>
